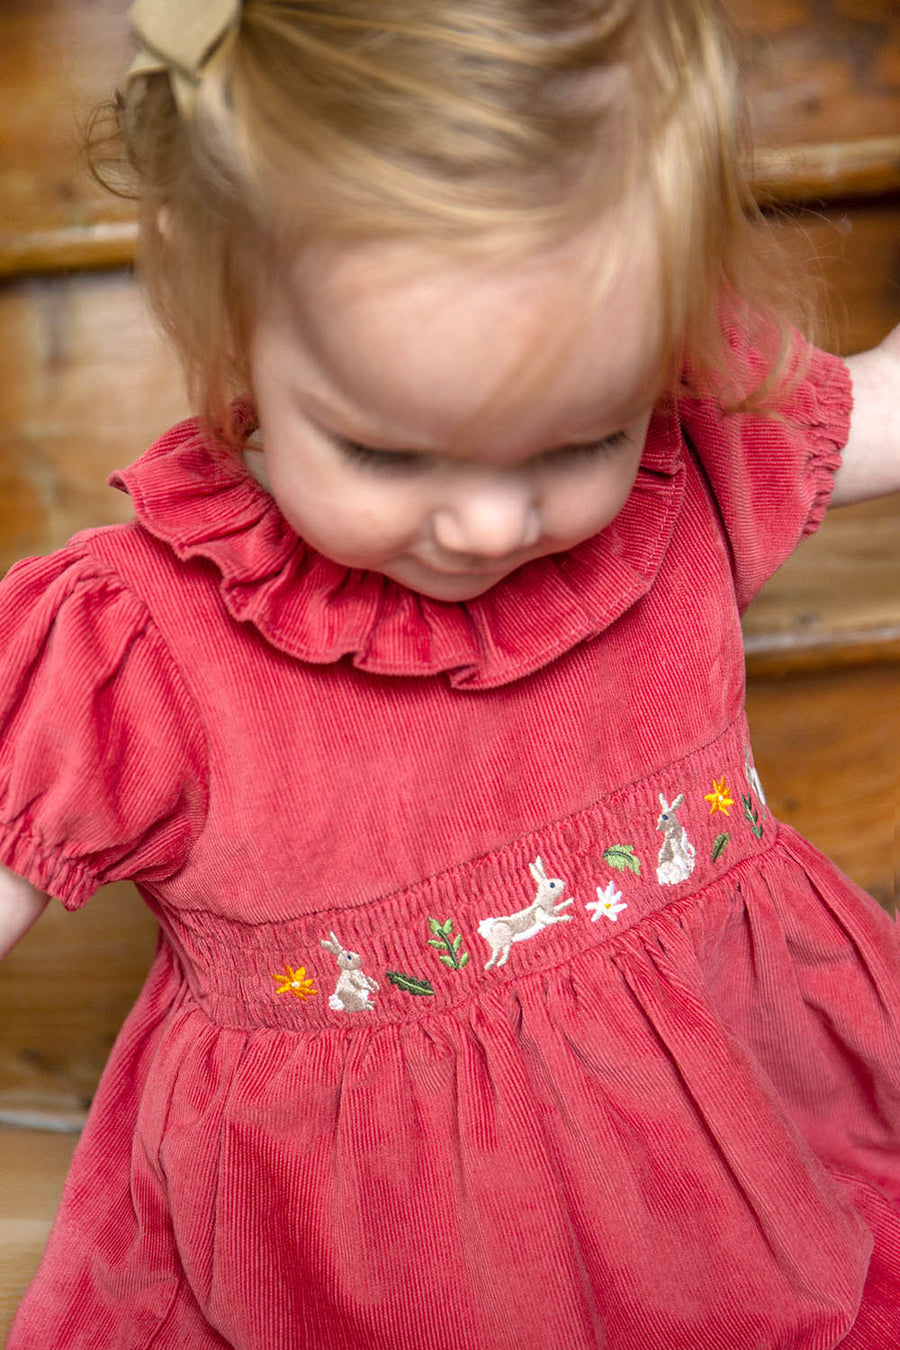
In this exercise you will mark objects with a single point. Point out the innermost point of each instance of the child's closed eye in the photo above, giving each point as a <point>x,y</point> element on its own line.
<point>383,461</point>
<point>590,450</point>
<point>410,461</point>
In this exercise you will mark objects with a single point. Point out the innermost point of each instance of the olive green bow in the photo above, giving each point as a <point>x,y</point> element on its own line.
<point>180,37</point>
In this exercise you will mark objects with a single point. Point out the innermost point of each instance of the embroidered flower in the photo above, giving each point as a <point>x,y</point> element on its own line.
<point>295,982</point>
<point>607,903</point>
<point>720,798</point>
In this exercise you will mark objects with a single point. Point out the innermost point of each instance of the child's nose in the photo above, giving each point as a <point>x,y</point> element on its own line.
<point>488,520</point>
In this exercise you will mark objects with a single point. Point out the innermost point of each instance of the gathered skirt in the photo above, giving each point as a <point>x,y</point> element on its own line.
<point>666,1117</point>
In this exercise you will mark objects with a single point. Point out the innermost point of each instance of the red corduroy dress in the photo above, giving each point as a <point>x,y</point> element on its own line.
<point>493,1010</point>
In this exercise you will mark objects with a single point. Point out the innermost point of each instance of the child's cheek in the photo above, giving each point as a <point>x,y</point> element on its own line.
<point>587,507</point>
<point>368,526</point>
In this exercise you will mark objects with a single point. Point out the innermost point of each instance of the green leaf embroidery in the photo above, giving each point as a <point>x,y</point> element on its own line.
<point>720,844</point>
<point>448,945</point>
<point>410,983</point>
<point>622,858</point>
<point>752,815</point>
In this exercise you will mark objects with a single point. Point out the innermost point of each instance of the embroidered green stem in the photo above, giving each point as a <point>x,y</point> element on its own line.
<point>752,815</point>
<point>720,843</point>
<point>411,983</point>
<point>448,945</point>
<point>622,857</point>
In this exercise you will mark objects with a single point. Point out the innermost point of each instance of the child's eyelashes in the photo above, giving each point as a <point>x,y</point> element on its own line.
<point>410,461</point>
<point>588,451</point>
<point>383,461</point>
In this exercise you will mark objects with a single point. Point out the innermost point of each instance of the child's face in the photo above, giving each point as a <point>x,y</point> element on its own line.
<point>368,367</point>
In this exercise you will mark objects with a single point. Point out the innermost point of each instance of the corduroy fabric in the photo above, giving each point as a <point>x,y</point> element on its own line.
<point>374,1092</point>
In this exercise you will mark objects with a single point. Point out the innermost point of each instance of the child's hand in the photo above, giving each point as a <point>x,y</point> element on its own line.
<point>21,905</point>
<point>871,460</point>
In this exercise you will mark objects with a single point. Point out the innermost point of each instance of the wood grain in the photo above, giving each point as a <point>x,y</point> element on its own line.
<point>64,992</point>
<point>847,257</point>
<point>58,59</point>
<point>820,71</point>
<point>86,382</point>
<point>823,172</point>
<point>836,601</point>
<point>826,749</point>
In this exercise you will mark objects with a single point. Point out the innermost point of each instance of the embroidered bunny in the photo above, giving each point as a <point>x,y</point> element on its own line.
<point>500,933</point>
<point>756,786</point>
<point>351,993</point>
<point>677,854</point>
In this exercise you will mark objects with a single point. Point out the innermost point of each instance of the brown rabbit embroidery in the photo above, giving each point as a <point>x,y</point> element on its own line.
<point>351,993</point>
<point>677,854</point>
<point>500,933</point>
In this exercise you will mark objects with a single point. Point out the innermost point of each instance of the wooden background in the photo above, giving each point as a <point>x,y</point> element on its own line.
<point>86,383</point>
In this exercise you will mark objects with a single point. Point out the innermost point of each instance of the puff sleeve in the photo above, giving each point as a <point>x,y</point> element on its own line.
<point>771,474</point>
<point>102,753</point>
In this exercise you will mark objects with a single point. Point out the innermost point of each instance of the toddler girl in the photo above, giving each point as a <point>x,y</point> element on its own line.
<point>493,1009</point>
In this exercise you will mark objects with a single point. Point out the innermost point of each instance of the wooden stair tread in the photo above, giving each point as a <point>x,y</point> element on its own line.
<point>837,599</point>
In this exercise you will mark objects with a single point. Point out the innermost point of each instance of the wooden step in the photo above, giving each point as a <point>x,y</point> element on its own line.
<point>836,602</point>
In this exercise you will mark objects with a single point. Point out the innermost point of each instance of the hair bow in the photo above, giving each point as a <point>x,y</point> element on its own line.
<point>181,39</point>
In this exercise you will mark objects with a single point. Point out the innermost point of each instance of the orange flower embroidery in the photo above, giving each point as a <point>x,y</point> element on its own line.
<point>720,798</point>
<point>295,982</point>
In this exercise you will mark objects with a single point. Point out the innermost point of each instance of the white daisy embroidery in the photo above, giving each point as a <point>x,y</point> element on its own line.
<point>607,903</point>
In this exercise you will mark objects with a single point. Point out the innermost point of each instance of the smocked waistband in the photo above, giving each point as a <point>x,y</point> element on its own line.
<point>575,884</point>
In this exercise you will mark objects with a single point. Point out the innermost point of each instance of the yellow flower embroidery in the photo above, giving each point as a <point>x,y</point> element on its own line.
<point>720,798</point>
<point>295,982</point>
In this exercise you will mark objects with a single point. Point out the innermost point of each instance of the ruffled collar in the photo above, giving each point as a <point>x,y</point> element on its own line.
<point>202,501</point>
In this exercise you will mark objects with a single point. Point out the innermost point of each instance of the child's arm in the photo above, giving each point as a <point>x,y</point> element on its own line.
<point>21,905</point>
<point>871,457</point>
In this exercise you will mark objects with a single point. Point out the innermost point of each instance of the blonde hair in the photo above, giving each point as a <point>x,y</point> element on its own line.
<point>476,126</point>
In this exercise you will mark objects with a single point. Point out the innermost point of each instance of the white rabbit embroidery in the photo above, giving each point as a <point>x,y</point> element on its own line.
<point>753,779</point>
<point>351,993</point>
<point>677,854</point>
<point>500,933</point>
